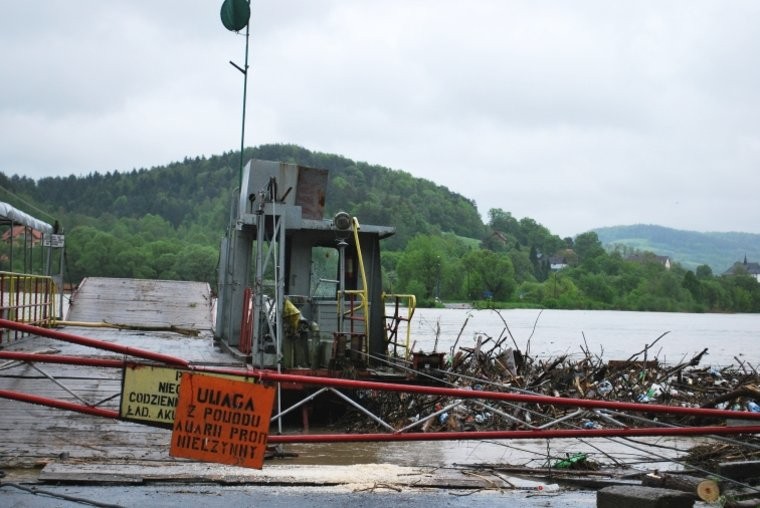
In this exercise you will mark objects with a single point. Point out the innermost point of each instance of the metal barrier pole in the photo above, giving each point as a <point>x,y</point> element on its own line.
<point>512,434</point>
<point>507,396</point>
<point>58,404</point>
<point>62,359</point>
<point>95,343</point>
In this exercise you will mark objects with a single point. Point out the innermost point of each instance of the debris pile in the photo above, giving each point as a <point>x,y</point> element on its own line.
<point>499,365</point>
<point>709,456</point>
<point>493,365</point>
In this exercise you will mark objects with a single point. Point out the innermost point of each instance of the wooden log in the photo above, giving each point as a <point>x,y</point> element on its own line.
<point>708,490</point>
<point>703,488</point>
<point>632,364</point>
<point>749,391</point>
<point>623,496</point>
<point>740,470</point>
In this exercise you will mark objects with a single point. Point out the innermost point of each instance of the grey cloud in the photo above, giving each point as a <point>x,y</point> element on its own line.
<point>575,114</point>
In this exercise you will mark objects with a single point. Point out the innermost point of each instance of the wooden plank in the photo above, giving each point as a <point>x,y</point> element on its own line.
<point>109,472</point>
<point>89,477</point>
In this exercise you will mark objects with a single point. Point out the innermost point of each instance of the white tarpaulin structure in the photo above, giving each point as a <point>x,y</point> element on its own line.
<point>16,216</point>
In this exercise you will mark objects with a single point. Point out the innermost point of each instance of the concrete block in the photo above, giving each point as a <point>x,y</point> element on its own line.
<point>632,496</point>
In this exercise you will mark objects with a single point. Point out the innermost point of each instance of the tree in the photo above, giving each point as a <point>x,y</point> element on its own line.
<point>692,285</point>
<point>597,288</point>
<point>93,252</point>
<point>196,262</point>
<point>522,266</point>
<point>499,220</point>
<point>588,246</point>
<point>422,265</point>
<point>491,273</point>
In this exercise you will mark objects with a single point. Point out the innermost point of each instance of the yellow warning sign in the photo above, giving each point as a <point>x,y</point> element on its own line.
<point>149,394</point>
<point>222,420</point>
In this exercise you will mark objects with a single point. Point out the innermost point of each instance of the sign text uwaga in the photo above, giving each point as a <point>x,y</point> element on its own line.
<point>222,420</point>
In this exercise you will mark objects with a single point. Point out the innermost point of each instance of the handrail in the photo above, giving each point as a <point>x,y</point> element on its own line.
<point>26,298</point>
<point>391,329</point>
<point>363,292</point>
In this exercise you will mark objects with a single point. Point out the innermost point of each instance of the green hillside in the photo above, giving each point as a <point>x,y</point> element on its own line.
<point>689,248</point>
<point>197,191</point>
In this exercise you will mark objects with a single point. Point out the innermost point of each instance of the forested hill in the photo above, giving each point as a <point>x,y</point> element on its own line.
<point>166,223</point>
<point>198,191</point>
<point>689,248</point>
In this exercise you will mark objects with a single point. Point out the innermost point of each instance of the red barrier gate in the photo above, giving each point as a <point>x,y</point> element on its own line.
<point>395,434</point>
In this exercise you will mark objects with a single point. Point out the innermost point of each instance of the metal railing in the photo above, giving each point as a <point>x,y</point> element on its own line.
<point>403,311</point>
<point>26,298</point>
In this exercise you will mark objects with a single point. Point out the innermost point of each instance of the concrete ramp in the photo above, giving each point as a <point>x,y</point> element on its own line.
<point>142,302</point>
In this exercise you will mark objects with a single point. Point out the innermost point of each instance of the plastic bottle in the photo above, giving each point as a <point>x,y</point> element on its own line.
<point>604,387</point>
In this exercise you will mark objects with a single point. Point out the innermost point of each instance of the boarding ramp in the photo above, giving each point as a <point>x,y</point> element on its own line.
<point>142,303</point>
<point>83,363</point>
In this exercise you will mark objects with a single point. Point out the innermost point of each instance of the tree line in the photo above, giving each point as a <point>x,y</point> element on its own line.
<point>512,267</point>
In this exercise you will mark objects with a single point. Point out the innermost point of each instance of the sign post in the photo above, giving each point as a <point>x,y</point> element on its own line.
<point>222,420</point>
<point>54,241</point>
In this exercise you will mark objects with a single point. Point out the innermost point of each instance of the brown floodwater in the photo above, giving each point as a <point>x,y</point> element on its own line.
<point>642,453</point>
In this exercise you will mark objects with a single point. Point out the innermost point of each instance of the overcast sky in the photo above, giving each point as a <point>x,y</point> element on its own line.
<point>578,114</point>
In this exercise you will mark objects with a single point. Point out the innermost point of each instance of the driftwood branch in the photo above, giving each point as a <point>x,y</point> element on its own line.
<point>646,349</point>
<point>191,332</point>
<point>678,368</point>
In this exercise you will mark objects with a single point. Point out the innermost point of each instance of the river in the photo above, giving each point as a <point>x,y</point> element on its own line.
<point>613,335</point>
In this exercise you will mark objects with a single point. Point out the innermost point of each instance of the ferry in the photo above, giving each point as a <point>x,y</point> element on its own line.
<point>298,292</point>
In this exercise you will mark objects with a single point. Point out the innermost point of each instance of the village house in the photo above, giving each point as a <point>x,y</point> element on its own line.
<point>557,263</point>
<point>752,269</point>
<point>21,233</point>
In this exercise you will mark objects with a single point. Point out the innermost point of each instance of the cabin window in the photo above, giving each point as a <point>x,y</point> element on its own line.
<point>325,264</point>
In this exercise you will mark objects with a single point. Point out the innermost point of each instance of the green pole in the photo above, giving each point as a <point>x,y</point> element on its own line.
<point>235,15</point>
<point>245,93</point>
